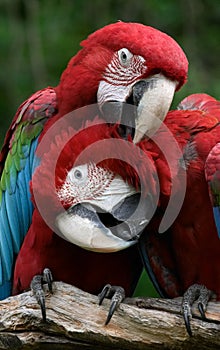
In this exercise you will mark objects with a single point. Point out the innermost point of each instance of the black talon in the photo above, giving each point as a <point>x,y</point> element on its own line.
<point>117,295</point>
<point>195,292</point>
<point>203,299</point>
<point>48,278</point>
<point>104,293</point>
<point>117,298</point>
<point>201,310</point>
<point>112,309</point>
<point>37,287</point>
<point>187,317</point>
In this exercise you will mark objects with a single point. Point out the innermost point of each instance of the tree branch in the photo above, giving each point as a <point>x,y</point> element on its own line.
<point>75,321</point>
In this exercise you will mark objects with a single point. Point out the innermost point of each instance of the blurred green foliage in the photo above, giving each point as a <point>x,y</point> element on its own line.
<point>38,37</point>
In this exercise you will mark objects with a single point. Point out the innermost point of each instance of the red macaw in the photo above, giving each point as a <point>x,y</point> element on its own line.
<point>118,63</point>
<point>73,242</point>
<point>183,257</point>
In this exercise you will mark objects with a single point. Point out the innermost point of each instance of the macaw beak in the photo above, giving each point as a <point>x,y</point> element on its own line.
<point>153,97</point>
<point>97,230</point>
<point>141,108</point>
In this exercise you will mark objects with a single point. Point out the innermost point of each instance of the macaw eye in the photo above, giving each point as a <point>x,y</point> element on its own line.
<point>125,56</point>
<point>78,174</point>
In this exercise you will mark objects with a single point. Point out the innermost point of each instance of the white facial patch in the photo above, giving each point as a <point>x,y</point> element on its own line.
<point>119,77</point>
<point>84,182</point>
<point>95,189</point>
<point>95,185</point>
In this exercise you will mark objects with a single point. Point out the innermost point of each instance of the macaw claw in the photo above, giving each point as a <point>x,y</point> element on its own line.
<point>117,295</point>
<point>199,293</point>
<point>37,287</point>
<point>48,278</point>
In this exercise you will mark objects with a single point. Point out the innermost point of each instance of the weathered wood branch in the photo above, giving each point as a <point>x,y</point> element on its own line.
<point>75,321</point>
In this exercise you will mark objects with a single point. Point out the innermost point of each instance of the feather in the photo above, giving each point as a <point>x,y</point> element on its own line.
<point>216,213</point>
<point>19,163</point>
<point>6,243</point>
<point>13,220</point>
<point>5,289</point>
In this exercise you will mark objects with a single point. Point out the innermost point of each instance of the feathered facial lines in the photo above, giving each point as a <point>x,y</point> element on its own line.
<point>157,48</point>
<point>84,182</point>
<point>124,67</point>
<point>121,63</point>
<point>109,68</point>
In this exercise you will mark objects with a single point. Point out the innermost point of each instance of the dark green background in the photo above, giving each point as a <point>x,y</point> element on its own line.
<point>38,37</point>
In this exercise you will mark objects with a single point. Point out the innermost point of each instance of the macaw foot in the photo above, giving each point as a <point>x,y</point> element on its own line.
<point>116,294</point>
<point>37,287</point>
<point>199,293</point>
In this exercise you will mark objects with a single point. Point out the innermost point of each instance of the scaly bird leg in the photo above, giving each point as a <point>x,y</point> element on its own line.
<point>199,293</point>
<point>37,287</point>
<point>117,295</point>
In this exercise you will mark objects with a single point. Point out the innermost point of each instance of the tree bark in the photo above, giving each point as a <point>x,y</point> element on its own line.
<point>75,321</point>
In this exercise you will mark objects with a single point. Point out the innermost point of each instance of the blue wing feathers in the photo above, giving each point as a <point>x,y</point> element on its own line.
<point>15,217</point>
<point>18,161</point>
<point>17,200</point>
<point>5,289</point>
<point>6,244</point>
<point>35,160</point>
<point>25,150</point>
<point>29,169</point>
<point>216,213</point>
<point>1,270</point>
<point>14,226</point>
<point>24,216</point>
